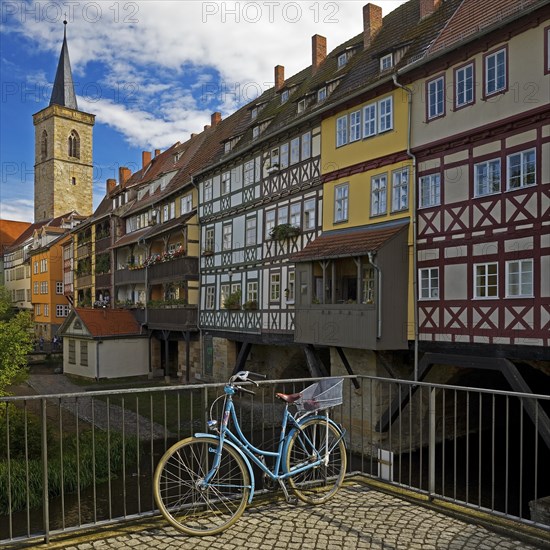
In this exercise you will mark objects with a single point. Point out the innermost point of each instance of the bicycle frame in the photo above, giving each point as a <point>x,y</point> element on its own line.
<point>252,454</point>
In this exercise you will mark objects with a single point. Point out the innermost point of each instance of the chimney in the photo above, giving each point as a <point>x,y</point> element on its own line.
<point>215,119</point>
<point>111,184</point>
<point>279,77</point>
<point>318,50</point>
<point>427,7</point>
<point>123,175</point>
<point>157,152</point>
<point>372,23</point>
<point>145,158</point>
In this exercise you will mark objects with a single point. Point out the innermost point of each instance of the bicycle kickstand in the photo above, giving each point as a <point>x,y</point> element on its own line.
<point>290,499</point>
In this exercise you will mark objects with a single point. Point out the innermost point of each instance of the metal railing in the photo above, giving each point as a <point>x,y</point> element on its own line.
<point>70,461</point>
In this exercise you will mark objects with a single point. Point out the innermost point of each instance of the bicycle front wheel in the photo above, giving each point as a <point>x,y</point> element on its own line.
<point>189,502</point>
<point>316,439</point>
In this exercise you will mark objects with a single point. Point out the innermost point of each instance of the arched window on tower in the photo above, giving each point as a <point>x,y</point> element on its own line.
<point>74,145</point>
<point>44,145</point>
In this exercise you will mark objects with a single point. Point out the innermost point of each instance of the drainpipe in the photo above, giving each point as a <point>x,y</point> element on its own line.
<point>199,297</point>
<point>379,297</point>
<point>414,218</point>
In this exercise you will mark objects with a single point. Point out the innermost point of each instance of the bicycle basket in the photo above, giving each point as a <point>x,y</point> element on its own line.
<point>322,395</point>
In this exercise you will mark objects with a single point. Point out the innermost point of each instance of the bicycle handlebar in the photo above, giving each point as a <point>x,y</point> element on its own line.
<point>244,376</point>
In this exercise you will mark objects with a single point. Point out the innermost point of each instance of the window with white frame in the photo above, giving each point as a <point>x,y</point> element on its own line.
<point>226,183</point>
<point>225,290</point>
<point>436,97</point>
<point>430,191</point>
<point>186,204</point>
<point>284,96</point>
<point>519,278</point>
<point>252,291</point>
<point>487,177</point>
<point>284,155</point>
<point>341,131</point>
<point>44,287</point>
<point>210,298</point>
<point>342,60</point>
<point>429,283</point>
<point>251,236</point>
<point>368,285</point>
<point>295,151</point>
<point>486,280</point>
<point>248,172</point>
<point>43,265</point>
<point>378,195</point>
<point>386,62</point>
<point>385,114</point>
<point>209,239</point>
<point>274,162</point>
<point>521,169</point>
<point>369,120</point>
<point>269,222</point>
<point>274,287</point>
<point>495,72</point>
<point>255,132</point>
<point>295,211</point>
<point>321,94</point>
<point>301,106</point>
<point>309,214</point>
<point>227,147</point>
<point>208,190</point>
<point>355,126</point>
<point>291,285</point>
<point>227,236</point>
<point>46,310</point>
<point>341,196</point>
<point>61,311</point>
<point>254,113</point>
<point>35,268</point>
<point>37,309</point>
<point>464,85</point>
<point>400,189</point>
<point>282,215</point>
<point>306,145</point>
<point>35,288</point>
<point>59,287</point>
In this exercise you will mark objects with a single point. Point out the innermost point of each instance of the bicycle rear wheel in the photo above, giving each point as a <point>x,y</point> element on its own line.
<point>194,507</point>
<point>316,485</point>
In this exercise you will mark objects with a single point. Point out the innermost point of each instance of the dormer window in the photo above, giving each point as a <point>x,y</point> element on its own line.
<point>321,94</point>
<point>342,60</point>
<point>255,132</point>
<point>284,96</point>
<point>386,62</point>
<point>301,105</point>
<point>254,113</point>
<point>227,147</point>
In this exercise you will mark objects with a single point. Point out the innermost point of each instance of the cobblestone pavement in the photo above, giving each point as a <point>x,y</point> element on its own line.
<point>356,518</point>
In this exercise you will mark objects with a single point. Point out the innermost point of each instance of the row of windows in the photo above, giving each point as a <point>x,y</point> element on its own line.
<point>374,118</point>
<point>298,215</point>
<point>60,310</point>
<point>42,287</point>
<point>518,280</point>
<point>521,171</point>
<point>43,266</point>
<point>251,295</point>
<point>495,81</point>
<point>73,145</point>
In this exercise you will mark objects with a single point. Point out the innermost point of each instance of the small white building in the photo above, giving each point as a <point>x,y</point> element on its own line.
<point>104,343</point>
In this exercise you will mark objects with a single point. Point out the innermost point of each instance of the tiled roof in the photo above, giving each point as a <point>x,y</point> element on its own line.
<point>108,322</point>
<point>161,228</point>
<point>131,238</point>
<point>344,243</point>
<point>9,231</point>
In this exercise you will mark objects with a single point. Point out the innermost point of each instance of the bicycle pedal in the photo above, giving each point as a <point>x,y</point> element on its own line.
<point>292,500</point>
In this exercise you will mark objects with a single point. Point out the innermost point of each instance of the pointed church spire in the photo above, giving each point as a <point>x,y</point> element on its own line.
<point>63,87</point>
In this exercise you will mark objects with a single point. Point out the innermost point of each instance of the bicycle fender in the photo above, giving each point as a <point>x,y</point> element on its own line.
<point>316,417</point>
<point>241,454</point>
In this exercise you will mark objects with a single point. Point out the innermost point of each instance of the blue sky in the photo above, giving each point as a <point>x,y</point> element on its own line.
<point>152,71</point>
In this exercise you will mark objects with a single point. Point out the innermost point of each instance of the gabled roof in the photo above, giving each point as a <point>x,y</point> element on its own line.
<point>10,231</point>
<point>345,243</point>
<point>63,87</point>
<point>102,323</point>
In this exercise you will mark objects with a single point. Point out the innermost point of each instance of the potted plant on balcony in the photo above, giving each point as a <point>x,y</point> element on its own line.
<point>250,305</point>
<point>284,231</point>
<point>233,301</point>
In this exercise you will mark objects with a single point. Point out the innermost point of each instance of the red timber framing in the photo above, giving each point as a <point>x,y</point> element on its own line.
<point>498,228</point>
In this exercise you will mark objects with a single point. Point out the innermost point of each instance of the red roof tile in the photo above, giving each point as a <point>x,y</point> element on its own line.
<point>344,243</point>
<point>10,230</point>
<point>109,322</point>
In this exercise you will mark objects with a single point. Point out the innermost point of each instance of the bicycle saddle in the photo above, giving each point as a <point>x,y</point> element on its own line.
<point>289,397</point>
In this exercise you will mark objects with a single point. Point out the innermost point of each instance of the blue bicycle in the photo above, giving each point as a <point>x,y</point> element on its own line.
<point>203,483</point>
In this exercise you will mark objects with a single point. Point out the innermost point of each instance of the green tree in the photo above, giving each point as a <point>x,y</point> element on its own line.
<point>15,343</point>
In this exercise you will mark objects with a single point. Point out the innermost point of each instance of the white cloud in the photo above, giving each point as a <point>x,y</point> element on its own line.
<point>18,210</point>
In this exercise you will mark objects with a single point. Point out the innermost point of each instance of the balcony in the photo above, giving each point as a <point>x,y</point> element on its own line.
<point>101,245</point>
<point>183,267</point>
<point>83,281</point>
<point>129,276</point>
<point>103,280</point>
<point>84,250</point>
<point>176,317</point>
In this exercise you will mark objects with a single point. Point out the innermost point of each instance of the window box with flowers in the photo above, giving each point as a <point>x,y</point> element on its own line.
<point>250,305</point>
<point>284,231</point>
<point>233,301</point>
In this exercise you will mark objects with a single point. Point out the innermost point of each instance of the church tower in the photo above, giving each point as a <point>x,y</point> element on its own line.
<point>63,169</point>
